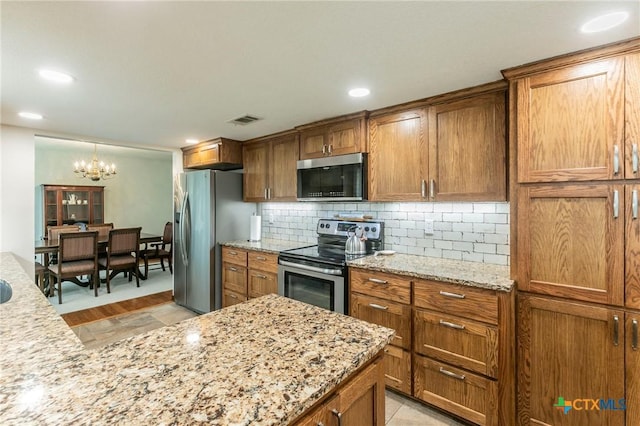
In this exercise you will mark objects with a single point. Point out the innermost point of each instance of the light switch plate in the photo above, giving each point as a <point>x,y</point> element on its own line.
<point>428,227</point>
<point>271,219</point>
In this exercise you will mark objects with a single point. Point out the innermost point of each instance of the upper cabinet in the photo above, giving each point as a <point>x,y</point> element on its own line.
<point>270,168</point>
<point>342,135</point>
<point>449,148</point>
<point>578,122</point>
<point>220,153</point>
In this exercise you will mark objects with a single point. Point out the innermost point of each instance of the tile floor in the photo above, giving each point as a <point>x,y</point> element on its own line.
<point>399,411</point>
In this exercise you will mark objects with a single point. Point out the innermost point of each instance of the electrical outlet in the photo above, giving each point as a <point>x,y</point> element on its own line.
<point>428,227</point>
<point>271,219</point>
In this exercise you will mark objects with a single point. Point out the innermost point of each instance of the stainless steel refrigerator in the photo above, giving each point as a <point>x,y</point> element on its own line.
<point>208,210</point>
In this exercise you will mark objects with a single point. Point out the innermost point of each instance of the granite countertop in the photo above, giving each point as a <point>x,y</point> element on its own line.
<point>262,362</point>
<point>266,245</point>
<point>482,275</point>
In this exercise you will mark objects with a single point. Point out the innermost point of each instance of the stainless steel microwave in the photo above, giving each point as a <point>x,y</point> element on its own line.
<point>338,178</point>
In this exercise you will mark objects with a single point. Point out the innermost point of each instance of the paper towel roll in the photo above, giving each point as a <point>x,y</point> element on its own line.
<point>256,223</point>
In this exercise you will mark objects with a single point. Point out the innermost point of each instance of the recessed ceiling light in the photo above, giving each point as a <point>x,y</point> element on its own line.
<point>30,115</point>
<point>191,141</point>
<point>359,92</point>
<point>604,22</point>
<point>56,76</point>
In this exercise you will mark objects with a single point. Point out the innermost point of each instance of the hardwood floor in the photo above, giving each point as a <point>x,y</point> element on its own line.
<point>115,309</point>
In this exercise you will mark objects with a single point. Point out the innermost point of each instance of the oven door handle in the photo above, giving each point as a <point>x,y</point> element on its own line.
<point>311,268</point>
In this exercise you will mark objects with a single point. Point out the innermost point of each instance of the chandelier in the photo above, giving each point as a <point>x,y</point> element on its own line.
<point>94,170</point>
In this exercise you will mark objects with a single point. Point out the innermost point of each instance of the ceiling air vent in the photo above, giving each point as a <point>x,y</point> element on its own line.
<point>244,120</point>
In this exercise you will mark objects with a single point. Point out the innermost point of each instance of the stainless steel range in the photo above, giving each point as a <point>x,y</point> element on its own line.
<point>318,274</point>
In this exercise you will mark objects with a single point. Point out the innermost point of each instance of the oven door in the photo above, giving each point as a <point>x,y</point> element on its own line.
<point>317,285</point>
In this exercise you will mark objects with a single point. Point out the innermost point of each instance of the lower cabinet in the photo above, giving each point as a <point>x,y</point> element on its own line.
<point>454,346</point>
<point>247,274</point>
<point>580,356</point>
<point>359,402</point>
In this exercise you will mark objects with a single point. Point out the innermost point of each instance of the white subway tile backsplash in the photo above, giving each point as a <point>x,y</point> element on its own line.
<point>475,232</point>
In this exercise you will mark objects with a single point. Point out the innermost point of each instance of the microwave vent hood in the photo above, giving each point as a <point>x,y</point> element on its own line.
<point>335,178</point>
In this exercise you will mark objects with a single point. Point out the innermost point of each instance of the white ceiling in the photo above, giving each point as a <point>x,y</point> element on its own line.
<point>156,73</point>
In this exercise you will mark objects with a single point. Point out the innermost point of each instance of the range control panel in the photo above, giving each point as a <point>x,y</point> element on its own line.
<point>372,230</point>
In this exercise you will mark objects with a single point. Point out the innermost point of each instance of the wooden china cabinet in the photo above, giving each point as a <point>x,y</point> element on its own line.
<point>66,204</point>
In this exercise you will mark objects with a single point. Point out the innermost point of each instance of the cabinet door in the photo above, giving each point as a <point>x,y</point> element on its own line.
<point>388,314</point>
<point>570,123</point>
<point>397,369</point>
<point>571,351</point>
<point>262,283</point>
<point>632,365</point>
<point>361,401</point>
<point>632,116</point>
<point>571,241</point>
<point>467,149</point>
<point>283,170</point>
<point>632,247</point>
<point>97,203</point>
<point>314,143</point>
<point>51,213</point>
<point>345,138</point>
<point>234,278</point>
<point>398,157</point>
<point>256,171</point>
<point>230,298</point>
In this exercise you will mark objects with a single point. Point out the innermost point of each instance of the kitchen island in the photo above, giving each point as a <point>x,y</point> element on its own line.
<point>267,361</point>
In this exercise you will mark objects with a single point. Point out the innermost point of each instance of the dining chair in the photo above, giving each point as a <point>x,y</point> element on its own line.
<point>123,253</point>
<point>77,255</point>
<point>53,232</point>
<point>102,228</point>
<point>161,250</point>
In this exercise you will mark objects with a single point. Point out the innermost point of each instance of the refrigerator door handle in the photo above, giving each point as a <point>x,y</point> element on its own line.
<point>183,210</point>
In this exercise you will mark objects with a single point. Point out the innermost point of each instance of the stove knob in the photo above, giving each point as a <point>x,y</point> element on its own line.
<point>322,225</point>
<point>328,225</point>
<point>373,229</point>
<point>366,229</point>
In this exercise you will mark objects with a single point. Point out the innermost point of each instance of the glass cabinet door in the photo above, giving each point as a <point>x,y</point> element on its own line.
<point>75,207</point>
<point>50,208</point>
<point>98,206</point>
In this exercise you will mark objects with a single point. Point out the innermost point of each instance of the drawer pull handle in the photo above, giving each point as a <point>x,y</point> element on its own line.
<point>616,331</point>
<point>377,281</point>
<point>233,296</point>
<point>380,307</point>
<point>338,414</point>
<point>264,277</point>
<point>634,334</point>
<point>451,374</point>
<point>392,378</point>
<point>260,258</point>
<point>233,253</point>
<point>231,268</point>
<point>451,325</point>
<point>454,295</point>
<point>634,158</point>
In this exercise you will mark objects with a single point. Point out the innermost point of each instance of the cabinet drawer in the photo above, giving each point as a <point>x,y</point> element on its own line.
<point>458,300</point>
<point>234,278</point>
<point>262,283</point>
<point>383,312</point>
<point>462,342</point>
<point>378,284</point>
<point>234,255</point>
<point>397,369</point>
<point>263,261</point>
<point>231,298</point>
<point>462,393</point>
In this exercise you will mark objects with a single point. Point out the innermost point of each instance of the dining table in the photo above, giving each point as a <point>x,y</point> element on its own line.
<point>48,247</point>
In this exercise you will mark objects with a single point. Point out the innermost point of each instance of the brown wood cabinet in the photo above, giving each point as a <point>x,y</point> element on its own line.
<point>339,136</point>
<point>360,401</point>
<point>448,148</point>
<point>68,204</point>
<point>454,344</point>
<point>571,241</point>
<point>571,350</point>
<point>247,274</point>
<point>220,153</point>
<point>270,169</point>
<point>385,299</point>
